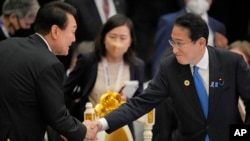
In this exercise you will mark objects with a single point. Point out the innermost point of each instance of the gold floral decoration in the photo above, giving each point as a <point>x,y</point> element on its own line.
<point>108,102</point>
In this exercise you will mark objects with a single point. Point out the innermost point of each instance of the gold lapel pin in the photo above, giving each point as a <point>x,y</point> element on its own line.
<point>186,82</point>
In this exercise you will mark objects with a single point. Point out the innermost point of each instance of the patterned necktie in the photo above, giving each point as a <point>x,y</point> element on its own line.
<point>106,8</point>
<point>203,97</point>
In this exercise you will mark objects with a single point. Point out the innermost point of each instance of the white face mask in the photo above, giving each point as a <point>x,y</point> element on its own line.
<point>198,6</point>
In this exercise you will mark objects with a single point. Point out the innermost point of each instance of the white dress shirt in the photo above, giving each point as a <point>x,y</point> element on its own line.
<point>203,70</point>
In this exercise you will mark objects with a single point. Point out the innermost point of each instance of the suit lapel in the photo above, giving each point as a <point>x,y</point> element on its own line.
<point>185,79</point>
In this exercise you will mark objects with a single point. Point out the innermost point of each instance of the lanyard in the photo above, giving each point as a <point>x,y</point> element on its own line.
<point>106,75</point>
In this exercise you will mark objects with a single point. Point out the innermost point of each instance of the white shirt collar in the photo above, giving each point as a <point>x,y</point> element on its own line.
<point>5,31</point>
<point>203,63</point>
<point>44,41</point>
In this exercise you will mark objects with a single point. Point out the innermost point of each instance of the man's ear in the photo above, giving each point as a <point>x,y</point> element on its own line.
<point>54,31</point>
<point>202,41</point>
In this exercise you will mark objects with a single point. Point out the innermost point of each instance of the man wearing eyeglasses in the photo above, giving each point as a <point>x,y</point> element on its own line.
<point>216,38</point>
<point>223,76</point>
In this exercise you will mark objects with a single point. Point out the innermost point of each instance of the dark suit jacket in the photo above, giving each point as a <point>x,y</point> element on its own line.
<point>82,79</point>
<point>31,97</point>
<point>193,126</point>
<point>164,30</point>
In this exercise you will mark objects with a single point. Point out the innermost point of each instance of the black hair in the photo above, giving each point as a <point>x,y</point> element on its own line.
<point>195,24</point>
<point>53,13</point>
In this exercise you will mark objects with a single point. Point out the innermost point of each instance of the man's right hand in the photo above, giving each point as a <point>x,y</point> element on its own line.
<point>92,130</point>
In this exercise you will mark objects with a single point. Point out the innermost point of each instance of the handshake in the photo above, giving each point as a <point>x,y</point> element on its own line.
<point>93,127</point>
<point>108,102</point>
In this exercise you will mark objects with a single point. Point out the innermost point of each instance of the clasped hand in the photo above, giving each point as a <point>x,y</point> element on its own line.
<point>93,127</point>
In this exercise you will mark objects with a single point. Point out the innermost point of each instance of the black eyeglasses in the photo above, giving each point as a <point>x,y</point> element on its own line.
<point>177,44</point>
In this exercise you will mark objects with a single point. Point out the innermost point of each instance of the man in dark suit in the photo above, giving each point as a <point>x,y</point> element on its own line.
<point>224,74</point>
<point>31,78</point>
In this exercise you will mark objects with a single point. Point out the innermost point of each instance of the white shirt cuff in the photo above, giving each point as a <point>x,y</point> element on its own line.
<point>104,123</point>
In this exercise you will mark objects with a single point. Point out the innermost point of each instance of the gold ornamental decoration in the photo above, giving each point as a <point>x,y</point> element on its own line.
<point>150,117</point>
<point>108,102</point>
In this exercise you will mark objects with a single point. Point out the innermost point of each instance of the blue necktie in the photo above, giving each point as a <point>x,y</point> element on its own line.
<point>203,97</point>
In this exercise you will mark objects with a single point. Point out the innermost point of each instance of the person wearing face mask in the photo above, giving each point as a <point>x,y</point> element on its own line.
<point>16,15</point>
<point>217,30</point>
<point>111,63</point>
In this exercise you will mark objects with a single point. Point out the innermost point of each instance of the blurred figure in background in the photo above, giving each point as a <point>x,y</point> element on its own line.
<point>108,67</point>
<point>16,15</point>
<point>243,48</point>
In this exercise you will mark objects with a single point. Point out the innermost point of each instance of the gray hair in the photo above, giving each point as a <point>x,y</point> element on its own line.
<point>22,8</point>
